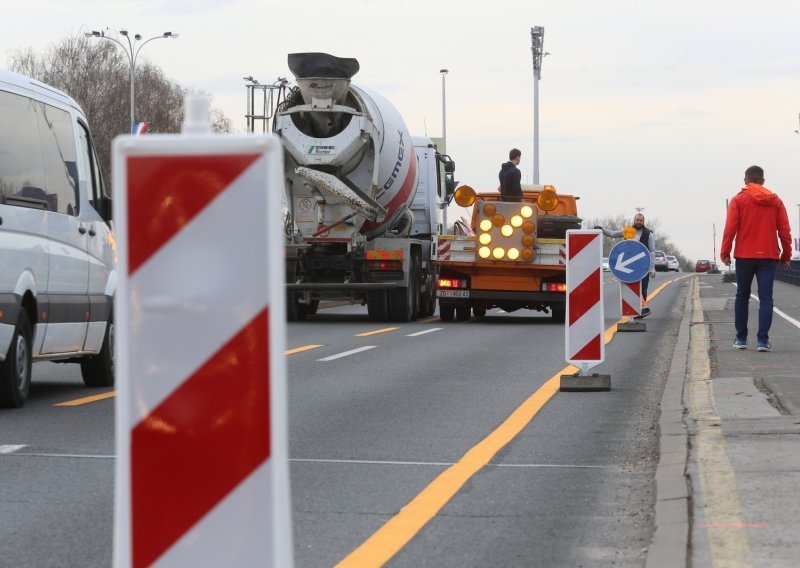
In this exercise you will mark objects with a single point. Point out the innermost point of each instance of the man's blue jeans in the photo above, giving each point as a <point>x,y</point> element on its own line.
<point>764,271</point>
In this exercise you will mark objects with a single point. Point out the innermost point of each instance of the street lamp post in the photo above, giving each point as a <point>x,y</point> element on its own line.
<point>537,49</point>
<point>444,73</point>
<point>132,51</point>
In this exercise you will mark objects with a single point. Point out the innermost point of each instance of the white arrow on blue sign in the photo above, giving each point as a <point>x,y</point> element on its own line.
<point>629,261</point>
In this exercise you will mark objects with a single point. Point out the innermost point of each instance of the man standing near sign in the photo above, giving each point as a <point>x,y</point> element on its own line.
<point>648,239</point>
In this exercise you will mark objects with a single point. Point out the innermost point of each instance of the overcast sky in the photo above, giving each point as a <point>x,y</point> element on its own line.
<point>644,103</point>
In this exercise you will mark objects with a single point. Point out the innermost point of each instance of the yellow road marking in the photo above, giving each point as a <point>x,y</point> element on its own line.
<point>400,529</point>
<point>88,399</point>
<point>300,349</point>
<point>429,320</point>
<point>377,331</point>
<point>727,532</point>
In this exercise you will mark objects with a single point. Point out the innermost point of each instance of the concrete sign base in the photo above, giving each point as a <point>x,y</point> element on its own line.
<point>593,382</point>
<point>632,326</point>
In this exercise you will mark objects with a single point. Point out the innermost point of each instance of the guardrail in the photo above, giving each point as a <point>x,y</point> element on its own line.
<point>791,274</point>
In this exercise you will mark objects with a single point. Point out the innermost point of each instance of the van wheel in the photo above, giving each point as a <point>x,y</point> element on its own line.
<point>463,313</point>
<point>15,371</point>
<point>479,311</point>
<point>98,370</point>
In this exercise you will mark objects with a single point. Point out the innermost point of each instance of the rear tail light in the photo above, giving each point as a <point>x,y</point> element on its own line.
<point>554,287</point>
<point>378,265</point>
<point>452,283</point>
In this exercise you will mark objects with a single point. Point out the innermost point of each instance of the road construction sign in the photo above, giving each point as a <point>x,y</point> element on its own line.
<point>201,420</point>
<point>629,260</point>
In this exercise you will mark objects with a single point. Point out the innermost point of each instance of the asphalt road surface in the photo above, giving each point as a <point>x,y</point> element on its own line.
<point>455,426</point>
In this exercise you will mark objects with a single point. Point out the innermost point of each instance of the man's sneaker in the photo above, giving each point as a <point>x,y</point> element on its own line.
<point>764,347</point>
<point>740,344</point>
<point>645,313</point>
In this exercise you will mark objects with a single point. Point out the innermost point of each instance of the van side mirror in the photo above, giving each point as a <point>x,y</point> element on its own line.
<point>106,208</point>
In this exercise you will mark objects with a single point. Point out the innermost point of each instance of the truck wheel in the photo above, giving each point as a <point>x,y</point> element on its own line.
<point>463,313</point>
<point>312,307</point>
<point>447,313</point>
<point>377,305</point>
<point>291,306</point>
<point>98,370</point>
<point>15,371</point>
<point>430,300</point>
<point>556,226</point>
<point>558,314</point>
<point>294,311</point>
<point>479,311</point>
<point>416,272</point>
<point>403,302</point>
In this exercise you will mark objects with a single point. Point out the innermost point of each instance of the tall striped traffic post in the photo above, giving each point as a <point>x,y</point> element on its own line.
<point>629,262</point>
<point>202,469</point>
<point>584,328</point>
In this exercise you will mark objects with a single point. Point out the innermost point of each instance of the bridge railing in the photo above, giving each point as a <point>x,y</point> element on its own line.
<point>790,274</point>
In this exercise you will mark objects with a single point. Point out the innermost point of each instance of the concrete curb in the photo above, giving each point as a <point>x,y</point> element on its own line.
<point>670,544</point>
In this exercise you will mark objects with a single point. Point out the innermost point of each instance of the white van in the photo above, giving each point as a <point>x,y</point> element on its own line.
<point>57,249</point>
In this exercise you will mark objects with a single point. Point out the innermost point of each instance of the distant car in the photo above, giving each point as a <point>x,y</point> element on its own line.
<point>673,264</point>
<point>660,261</point>
<point>702,266</point>
<point>606,267</point>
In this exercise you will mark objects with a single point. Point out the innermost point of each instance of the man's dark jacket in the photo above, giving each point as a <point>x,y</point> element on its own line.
<point>510,188</point>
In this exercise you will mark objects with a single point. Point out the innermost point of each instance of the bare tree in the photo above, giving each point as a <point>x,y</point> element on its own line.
<point>97,75</point>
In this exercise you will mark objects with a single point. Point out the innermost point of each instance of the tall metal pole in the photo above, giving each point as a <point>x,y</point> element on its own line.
<point>444,73</point>
<point>714,244</point>
<point>132,52</point>
<point>537,44</point>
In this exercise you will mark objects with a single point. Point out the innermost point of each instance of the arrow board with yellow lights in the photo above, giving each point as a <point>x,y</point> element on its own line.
<point>629,260</point>
<point>506,232</point>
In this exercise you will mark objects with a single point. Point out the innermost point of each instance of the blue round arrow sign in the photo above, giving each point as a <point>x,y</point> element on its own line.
<point>629,260</point>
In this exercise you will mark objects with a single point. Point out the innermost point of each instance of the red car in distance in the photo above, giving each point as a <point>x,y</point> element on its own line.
<point>702,266</point>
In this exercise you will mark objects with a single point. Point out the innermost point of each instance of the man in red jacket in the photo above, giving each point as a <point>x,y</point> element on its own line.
<point>755,217</point>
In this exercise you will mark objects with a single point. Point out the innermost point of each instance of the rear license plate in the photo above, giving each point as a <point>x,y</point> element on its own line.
<point>454,293</point>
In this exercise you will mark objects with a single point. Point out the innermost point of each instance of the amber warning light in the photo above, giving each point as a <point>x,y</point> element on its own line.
<point>506,231</point>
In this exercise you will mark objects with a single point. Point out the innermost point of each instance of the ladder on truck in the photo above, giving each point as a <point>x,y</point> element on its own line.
<point>262,101</point>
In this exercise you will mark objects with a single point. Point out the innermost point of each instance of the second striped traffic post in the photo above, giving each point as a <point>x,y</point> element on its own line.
<point>583,330</point>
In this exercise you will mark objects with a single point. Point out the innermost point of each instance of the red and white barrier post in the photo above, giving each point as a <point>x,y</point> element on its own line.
<point>202,468</point>
<point>584,330</point>
<point>630,296</point>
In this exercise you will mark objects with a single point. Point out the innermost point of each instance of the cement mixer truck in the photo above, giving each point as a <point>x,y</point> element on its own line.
<point>363,198</point>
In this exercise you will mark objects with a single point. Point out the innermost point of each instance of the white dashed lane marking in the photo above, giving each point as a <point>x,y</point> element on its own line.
<point>346,353</point>
<point>431,330</point>
<point>10,448</point>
